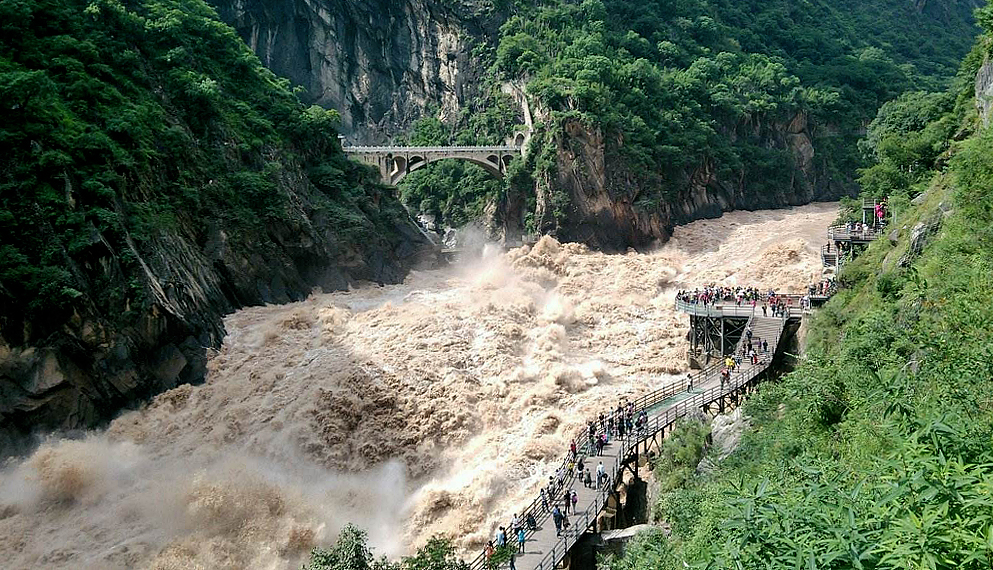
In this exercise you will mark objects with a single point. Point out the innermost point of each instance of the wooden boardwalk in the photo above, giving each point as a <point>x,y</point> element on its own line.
<point>544,549</point>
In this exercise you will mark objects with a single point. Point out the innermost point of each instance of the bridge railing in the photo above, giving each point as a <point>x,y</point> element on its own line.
<point>416,149</point>
<point>842,233</point>
<point>730,309</point>
<point>583,451</point>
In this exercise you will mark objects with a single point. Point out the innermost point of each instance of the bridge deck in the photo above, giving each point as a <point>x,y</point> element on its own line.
<point>544,549</point>
<point>428,149</point>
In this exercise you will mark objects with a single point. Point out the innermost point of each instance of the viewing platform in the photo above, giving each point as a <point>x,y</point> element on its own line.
<point>842,233</point>
<point>716,328</point>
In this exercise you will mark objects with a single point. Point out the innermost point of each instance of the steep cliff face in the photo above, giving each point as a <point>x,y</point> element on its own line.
<point>600,198</point>
<point>112,354</point>
<point>381,63</point>
<point>984,91</point>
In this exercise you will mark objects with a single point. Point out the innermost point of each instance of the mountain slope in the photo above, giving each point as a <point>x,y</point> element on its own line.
<point>156,177</point>
<point>876,451</point>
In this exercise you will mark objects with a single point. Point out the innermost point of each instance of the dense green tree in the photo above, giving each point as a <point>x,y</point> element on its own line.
<point>120,123</point>
<point>688,84</point>
<point>877,451</point>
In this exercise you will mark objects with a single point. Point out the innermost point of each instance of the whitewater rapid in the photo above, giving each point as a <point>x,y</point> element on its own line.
<point>433,407</point>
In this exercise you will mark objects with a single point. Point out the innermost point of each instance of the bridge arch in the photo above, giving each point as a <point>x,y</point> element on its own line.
<point>395,163</point>
<point>492,164</point>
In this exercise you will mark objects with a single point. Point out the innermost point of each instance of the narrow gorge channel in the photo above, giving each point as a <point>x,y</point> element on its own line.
<point>437,406</point>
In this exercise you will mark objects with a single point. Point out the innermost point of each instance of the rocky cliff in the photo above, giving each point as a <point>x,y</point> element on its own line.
<point>984,91</point>
<point>381,63</point>
<point>109,354</point>
<point>603,198</point>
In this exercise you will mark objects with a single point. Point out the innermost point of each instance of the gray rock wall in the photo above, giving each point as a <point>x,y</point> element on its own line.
<point>381,63</point>
<point>603,192</point>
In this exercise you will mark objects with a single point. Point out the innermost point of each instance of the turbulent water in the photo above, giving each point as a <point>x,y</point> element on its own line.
<point>436,406</point>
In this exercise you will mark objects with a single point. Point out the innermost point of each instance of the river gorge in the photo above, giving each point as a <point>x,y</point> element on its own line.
<point>436,406</point>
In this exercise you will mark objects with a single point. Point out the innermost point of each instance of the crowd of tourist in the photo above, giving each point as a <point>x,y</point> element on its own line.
<point>858,230</point>
<point>713,294</point>
<point>823,288</point>
<point>772,303</point>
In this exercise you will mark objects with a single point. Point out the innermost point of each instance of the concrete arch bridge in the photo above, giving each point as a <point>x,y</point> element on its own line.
<point>396,162</point>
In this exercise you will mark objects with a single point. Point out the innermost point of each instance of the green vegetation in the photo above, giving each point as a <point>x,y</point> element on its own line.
<point>681,453</point>
<point>351,552</point>
<point>123,123</point>
<point>877,451</point>
<point>677,86</point>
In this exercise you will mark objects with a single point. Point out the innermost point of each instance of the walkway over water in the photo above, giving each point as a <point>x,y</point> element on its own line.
<point>544,549</point>
<point>396,162</point>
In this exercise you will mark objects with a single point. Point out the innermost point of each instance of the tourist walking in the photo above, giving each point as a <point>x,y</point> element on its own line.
<point>557,519</point>
<point>587,479</point>
<point>575,499</point>
<point>520,540</point>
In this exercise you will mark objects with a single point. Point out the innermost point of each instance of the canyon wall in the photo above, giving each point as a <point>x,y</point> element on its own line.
<point>132,337</point>
<point>605,196</point>
<point>380,63</point>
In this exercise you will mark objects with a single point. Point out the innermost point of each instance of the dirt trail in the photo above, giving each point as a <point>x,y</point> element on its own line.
<point>435,406</point>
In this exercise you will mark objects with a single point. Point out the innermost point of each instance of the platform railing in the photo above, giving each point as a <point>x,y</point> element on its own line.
<point>660,422</point>
<point>842,233</point>
<point>730,309</point>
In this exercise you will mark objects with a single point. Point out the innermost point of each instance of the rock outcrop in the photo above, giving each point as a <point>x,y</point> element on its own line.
<point>604,196</point>
<point>380,63</point>
<point>130,338</point>
<point>984,91</point>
